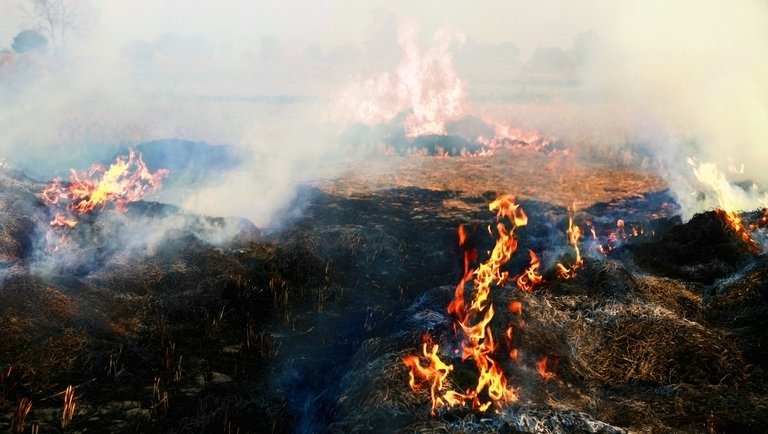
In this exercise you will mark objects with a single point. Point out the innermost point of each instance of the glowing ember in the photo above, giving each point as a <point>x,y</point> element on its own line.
<point>543,369</point>
<point>515,308</point>
<point>127,180</point>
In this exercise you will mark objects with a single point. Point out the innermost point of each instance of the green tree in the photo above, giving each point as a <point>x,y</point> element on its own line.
<point>28,41</point>
<point>57,19</point>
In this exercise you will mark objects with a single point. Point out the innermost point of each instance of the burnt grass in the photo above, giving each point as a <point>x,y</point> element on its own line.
<point>301,328</point>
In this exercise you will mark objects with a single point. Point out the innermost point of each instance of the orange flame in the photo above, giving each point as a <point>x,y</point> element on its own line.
<point>728,201</point>
<point>573,233</point>
<point>542,368</point>
<point>507,137</point>
<point>473,318</point>
<point>529,278</point>
<point>515,307</point>
<point>426,89</point>
<point>63,222</point>
<point>734,221</point>
<point>462,235</point>
<point>436,372</point>
<point>127,180</point>
<point>424,85</point>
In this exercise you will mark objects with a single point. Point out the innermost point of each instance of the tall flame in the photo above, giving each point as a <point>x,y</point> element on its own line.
<point>573,233</point>
<point>427,90</point>
<point>425,84</point>
<point>473,320</point>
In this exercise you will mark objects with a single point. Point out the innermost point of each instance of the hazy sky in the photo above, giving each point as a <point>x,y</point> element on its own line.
<point>328,23</point>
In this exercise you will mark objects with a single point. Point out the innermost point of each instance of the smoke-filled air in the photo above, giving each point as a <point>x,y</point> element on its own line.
<point>383,216</point>
<point>280,83</point>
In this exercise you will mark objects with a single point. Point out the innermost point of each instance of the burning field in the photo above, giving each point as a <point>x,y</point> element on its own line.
<point>361,239</point>
<point>413,301</point>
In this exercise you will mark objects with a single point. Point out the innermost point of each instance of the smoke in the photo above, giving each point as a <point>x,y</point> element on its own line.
<point>688,79</point>
<point>693,78</point>
<point>424,84</point>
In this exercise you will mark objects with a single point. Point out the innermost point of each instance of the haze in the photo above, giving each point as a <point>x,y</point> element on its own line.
<point>688,78</point>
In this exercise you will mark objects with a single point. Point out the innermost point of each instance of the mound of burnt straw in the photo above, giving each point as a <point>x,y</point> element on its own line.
<point>467,135</point>
<point>303,329</point>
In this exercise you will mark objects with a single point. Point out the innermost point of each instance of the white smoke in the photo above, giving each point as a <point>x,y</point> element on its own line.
<point>698,71</point>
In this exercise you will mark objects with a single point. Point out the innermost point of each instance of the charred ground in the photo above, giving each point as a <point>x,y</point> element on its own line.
<point>302,329</point>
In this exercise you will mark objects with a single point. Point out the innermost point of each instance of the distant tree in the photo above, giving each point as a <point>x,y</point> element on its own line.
<point>138,51</point>
<point>584,47</point>
<point>58,18</point>
<point>549,60</point>
<point>29,40</point>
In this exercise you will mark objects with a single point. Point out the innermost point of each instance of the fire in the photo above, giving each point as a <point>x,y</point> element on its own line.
<point>506,136</point>
<point>127,180</point>
<point>473,319</point>
<point>543,369</point>
<point>424,84</point>
<point>615,238</point>
<point>529,278</point>
<point>427,91</point>
<point>573,233</point>
<point>435,372</point>
<point>64,222</point>
<point>734,221</point>
<point>462,235</point>
<point>729,198</point>
<point>68,406</point>
<point>515,307</point>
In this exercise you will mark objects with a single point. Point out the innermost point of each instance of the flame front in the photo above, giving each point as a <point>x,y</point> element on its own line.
<point>426,90</point>
<point>473,320</point>
<point>127,180</point>
<point>729,199</point>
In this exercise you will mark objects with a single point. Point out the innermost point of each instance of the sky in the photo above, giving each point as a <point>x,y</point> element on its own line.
<point>327,23</point>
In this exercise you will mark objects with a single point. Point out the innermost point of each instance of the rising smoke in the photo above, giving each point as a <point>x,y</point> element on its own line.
<point>693,79</point>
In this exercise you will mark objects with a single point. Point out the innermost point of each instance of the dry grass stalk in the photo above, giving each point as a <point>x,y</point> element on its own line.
<point>22,411</point>
<point>159,405</point>
<point>68,406</point>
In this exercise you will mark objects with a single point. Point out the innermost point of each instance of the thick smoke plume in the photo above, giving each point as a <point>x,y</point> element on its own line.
<point>693,78</point>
